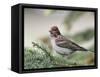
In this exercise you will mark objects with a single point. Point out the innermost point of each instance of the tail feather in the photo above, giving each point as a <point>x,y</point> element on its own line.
<point>83,49</point>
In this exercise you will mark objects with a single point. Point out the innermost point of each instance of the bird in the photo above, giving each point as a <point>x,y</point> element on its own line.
<point>61,44</point>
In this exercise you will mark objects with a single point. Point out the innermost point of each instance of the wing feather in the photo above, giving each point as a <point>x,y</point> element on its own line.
<point>61,41</point>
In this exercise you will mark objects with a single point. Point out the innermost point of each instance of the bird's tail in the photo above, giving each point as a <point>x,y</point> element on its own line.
<point>83,49</point>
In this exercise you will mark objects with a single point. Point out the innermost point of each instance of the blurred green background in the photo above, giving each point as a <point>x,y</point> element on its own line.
<point>77,26</point>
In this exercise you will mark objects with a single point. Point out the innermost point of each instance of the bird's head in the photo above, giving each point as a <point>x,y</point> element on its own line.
<point>54,31</point>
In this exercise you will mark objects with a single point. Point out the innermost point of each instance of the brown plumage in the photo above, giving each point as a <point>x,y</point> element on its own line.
<point>61,44</point>
<point>65,43</point>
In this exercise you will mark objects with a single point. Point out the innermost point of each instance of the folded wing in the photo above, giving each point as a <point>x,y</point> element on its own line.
<point>61,41</point>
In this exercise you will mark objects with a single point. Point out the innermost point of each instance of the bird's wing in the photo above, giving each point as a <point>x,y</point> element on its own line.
<point>61,41</point>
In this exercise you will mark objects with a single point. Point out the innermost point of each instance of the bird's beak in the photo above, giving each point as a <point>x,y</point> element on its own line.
<point>50,31</point>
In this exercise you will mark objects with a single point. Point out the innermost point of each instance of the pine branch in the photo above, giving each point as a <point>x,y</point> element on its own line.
<point>43,49</point>
<point>60,62</point>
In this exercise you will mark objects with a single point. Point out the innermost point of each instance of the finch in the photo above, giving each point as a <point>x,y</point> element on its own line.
<point>61,44</point>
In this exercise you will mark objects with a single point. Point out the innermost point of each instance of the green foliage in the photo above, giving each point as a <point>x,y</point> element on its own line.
<point>72,17</point>
<point>83,36</point>
<point>49,12</point>
<point>92,48</point>
<point>40,56</point>
<point>36,58</point>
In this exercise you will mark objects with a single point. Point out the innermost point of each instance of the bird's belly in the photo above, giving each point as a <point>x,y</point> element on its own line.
<point>60,50</point>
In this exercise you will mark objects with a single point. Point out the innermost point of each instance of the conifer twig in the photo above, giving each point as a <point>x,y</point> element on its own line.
<point>43,49</point>
<point>51,57</point>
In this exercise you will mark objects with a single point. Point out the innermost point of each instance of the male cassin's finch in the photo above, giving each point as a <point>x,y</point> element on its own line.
<point>61,44</point>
